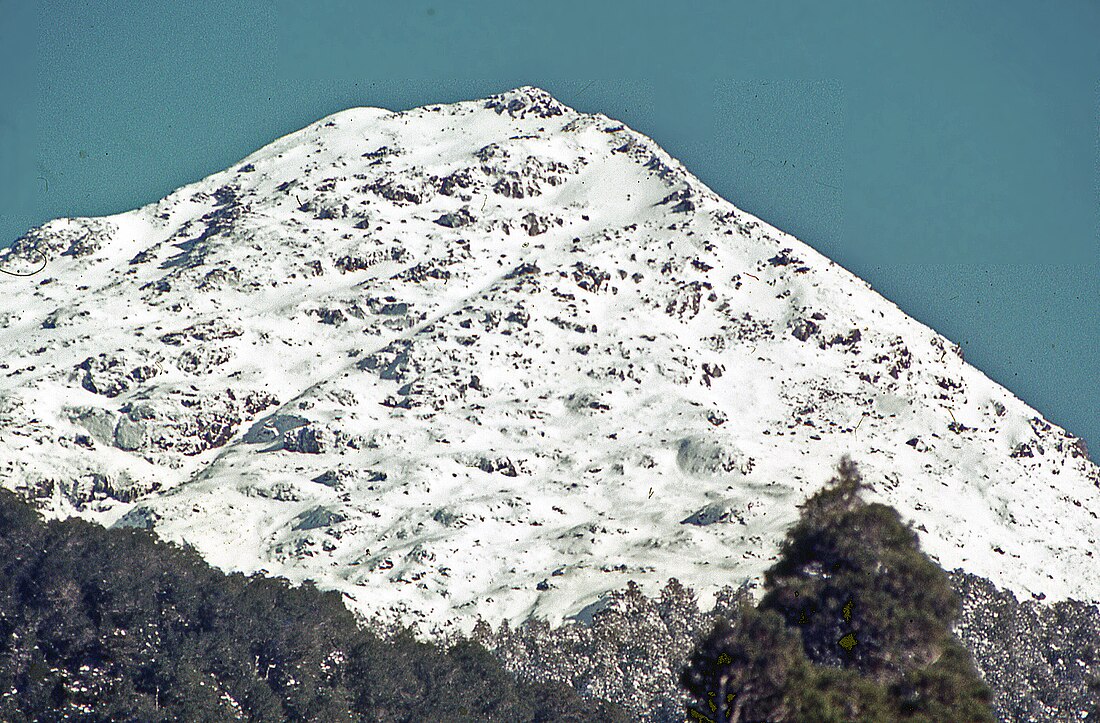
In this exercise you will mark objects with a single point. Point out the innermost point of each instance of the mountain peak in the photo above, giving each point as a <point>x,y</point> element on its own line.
<point>527,100</point>
<point>495,359</point>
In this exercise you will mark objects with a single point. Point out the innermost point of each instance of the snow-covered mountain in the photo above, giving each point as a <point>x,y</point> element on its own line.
<point>495,359</point>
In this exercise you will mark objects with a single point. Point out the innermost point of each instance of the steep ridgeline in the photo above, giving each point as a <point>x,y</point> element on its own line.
<point>495,359</point>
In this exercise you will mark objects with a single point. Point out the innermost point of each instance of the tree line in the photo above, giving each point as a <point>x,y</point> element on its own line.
<point>104,624</point>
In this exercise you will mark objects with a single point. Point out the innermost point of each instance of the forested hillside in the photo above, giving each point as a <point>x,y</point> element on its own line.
<point>100,624</point>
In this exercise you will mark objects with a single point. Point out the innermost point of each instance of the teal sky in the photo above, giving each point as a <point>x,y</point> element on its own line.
<point>946,152</point>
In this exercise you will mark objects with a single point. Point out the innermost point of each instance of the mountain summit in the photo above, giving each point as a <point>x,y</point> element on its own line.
<point>495,359</point>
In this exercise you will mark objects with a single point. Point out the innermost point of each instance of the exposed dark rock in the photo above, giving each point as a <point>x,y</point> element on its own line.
<point>897,359</point>
<point>685,300</point>
<point>142,518</point>
<point>535,224</point>
<point>522,270</point>
<point>142,257</point>
<point>213,330</point>
<point>588,277</point>
<point>203,359</point>
<point>424,270</point>
<point>395,309</point>
<point>184,422</point>
<point>850,341</point>
<point>456,219</point>
<point>390,359</point>
<point>397,192</point>
<point>519,316</point>
<point>573,326</point>
<point>220,278</point>
<point>502,464</point>
<point>493,150</point>
<point>369,259</point>
<point>256,401</point>
<point>460,179</point>
<point>308,440</point>
<point>317,517</point>
<point>335,317</point>
<point>382,152</point>
<point>803,329</point>
<point>334,477</point>
<point>512,185</point>
<point>112,375</point>
<point>709,515</point>
<point>783,258</point>
<point>1023,449</point>
<point>525,101</point>
<point>61,317</point>
<point>683,197</point>
<point>448,518</point>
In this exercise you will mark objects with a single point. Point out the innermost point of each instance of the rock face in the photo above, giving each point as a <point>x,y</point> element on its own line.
<point>495,359</point>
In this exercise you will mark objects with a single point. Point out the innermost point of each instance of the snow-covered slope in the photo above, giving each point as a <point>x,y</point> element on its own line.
<point>496,358</point>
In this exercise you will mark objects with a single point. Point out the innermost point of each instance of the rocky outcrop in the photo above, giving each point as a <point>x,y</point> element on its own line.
<point>114,374</point>
<point>75,237</point>
<point>456,219</point>
<point>180,422</point>
<point>526,101</point>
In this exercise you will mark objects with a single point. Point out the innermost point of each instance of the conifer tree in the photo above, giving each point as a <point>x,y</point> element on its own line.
<point>852,578</point>
<point>855,625</point>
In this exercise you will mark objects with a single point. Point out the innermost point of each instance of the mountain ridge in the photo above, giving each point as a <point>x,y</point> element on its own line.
<point>372,254</point>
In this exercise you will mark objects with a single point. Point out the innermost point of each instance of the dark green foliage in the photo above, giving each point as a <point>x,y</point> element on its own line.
<point>948,689</point>
<point>837,695</point>
<point>844,552</point>
<point>746,669</point>
<point>116,625</point>
<point>870,617</point>
<point>557,703</point>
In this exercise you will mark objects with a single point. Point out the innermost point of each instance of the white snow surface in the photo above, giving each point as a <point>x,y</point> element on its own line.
<point>494,359</point>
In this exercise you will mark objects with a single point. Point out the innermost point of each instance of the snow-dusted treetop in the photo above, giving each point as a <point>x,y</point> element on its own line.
<point>497,358</point>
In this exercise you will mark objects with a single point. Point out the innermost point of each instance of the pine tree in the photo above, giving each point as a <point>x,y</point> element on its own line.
<point>852,578</point>
<point>855,625</point>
